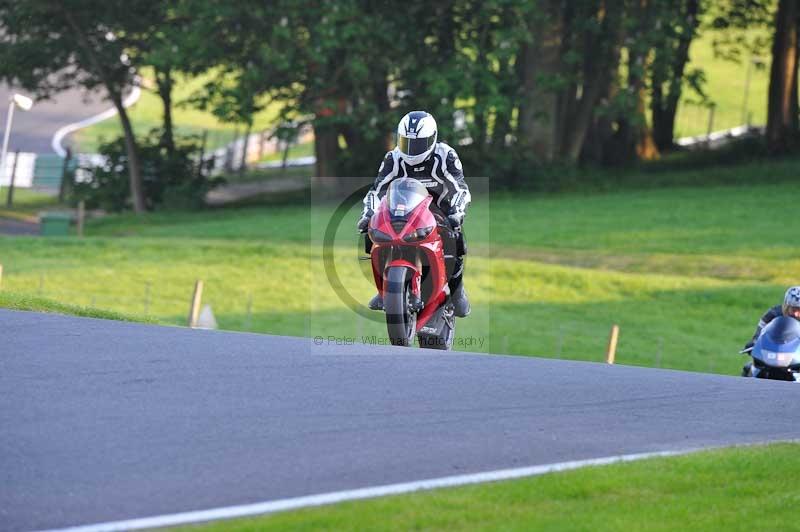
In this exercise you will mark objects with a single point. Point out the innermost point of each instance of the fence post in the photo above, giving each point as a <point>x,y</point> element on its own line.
<point>285,158</point>
<point>10,196</point>
<point>611,352</point>
<point>197,296</point>
<point>711,110</point>
<point>202,161</point>
<point>230,152</point>
<point>62,190</point>
<point>245,145</point>
<point>262,138</point>
<point>81,216</point>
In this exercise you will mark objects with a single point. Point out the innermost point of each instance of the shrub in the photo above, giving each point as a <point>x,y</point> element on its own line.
<point>168,180</point>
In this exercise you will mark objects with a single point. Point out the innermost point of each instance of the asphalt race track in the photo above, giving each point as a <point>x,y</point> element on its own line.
<point>104,421</point>
<point>32,131</point>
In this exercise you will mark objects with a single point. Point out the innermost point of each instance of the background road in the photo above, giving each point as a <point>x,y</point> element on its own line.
<point>106,421</point>
<point>32,131</point>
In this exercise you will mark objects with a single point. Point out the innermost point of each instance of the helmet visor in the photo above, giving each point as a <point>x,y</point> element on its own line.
<point>412,147</point>
<point>791,310</point>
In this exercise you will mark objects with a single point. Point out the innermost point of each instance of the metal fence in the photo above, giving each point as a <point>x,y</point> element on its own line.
<point>46,171</point>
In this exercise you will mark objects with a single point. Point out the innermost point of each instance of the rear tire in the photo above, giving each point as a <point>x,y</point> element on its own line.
<point>400,323</point>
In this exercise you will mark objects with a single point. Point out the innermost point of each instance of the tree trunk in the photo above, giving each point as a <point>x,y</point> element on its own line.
<point>646,148</point>
<point>481,109</point>
<point>326,150</point>
<point>164,83</point>
<point>663,120</point>
<point>633,139</point>
<point>601,58</point>
<point>134,170</point>
<point>782,126</point>
<point>538,113</point>
<point>245,144</point>
<point>663,107</point>
<point>503,113</point>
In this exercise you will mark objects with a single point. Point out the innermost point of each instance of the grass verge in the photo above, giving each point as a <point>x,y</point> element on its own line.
<point>14,301</point>
<point>744,488</point>
<point>27,204</point>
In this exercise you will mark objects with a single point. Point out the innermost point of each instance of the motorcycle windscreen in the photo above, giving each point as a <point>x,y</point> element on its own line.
<point>783,330</point>
<point>404,196</point>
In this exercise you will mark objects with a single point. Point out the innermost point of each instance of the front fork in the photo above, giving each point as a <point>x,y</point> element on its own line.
<point>415,303</point>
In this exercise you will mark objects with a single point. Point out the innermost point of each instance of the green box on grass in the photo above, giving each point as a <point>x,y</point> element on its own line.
<point>54,223</point>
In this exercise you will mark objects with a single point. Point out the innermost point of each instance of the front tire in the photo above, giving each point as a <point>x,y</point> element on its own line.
<point>401,324</point>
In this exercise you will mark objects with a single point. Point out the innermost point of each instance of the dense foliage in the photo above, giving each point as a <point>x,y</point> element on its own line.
<point>170,177</point>
<point>515,84</point>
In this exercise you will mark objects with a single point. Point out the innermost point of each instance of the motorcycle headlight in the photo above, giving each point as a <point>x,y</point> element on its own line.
<point>418,235</point>
<point>776,358</point>
<point>379,236</point>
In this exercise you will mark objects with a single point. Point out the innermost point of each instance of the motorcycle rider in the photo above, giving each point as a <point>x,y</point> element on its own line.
<point>790,307</point>
<point>436,165</point>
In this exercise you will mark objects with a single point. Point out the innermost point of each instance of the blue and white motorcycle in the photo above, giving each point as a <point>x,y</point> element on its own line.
<point>776,353</point>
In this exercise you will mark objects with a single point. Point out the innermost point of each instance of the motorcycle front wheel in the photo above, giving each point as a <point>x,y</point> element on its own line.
<point>401,324</point>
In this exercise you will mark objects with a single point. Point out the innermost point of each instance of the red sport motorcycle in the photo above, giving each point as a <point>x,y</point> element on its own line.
<point>412,256</point>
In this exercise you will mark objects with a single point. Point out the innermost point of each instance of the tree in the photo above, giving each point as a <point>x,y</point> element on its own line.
<point>778,20</point>
<point>678,27</point>
<point>539,64</point>
<point>782,108</point>
<point>52,47</point>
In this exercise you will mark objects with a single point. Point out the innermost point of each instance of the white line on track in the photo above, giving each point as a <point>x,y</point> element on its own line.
<point>357,494</point>
<point>108,113</point>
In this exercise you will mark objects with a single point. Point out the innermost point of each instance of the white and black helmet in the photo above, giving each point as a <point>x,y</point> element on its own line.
<point>791,299</point>
<point>416,137</point>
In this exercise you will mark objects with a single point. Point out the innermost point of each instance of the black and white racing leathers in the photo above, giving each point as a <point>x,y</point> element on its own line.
<point>443,176</point>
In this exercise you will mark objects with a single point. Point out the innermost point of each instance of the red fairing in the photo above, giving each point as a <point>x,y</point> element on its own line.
<point>428,251</point>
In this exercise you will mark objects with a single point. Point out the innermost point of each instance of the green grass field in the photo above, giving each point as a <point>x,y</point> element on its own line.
<point>746,488</point>
<point>684,271</point>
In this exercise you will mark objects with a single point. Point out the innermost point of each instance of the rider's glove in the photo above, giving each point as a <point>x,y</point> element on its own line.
<point>458,204</point>
<point>370,204</point>
<point>456,218</point>
<point>363,222</point>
